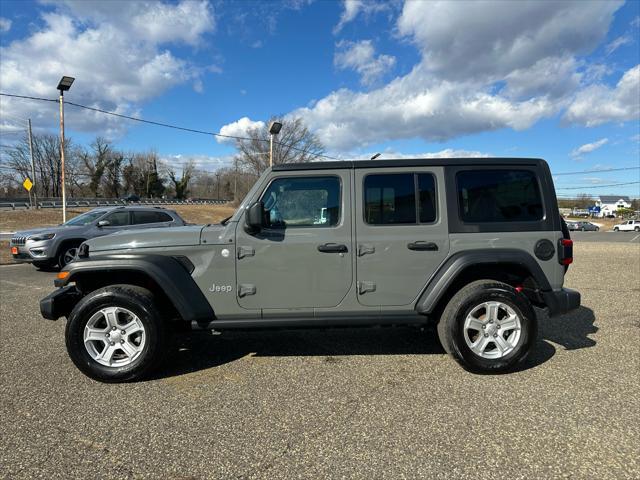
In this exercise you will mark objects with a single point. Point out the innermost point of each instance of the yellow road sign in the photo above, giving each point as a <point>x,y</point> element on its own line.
<point>27,184</point>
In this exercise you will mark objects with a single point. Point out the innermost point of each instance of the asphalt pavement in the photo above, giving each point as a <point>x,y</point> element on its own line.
<point>342,403</point>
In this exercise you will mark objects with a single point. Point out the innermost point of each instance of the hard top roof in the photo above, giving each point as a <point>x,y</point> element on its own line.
<point>406,162</point>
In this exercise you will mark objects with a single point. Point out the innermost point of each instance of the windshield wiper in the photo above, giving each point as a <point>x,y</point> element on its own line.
<point>225,221</point>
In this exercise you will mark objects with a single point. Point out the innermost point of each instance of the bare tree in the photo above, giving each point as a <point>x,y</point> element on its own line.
<point>181,185</point>
<point>295,143</point>
<point>46,154</point>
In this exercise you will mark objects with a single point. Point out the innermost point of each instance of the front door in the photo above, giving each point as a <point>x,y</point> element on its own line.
<point>401,232</point>
<point>303,259</point>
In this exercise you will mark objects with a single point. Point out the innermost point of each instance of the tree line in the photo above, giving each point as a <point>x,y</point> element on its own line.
<point>100,169</point>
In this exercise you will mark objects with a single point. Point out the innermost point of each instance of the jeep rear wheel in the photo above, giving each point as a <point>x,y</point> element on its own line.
<point>488,327</point>
<point>116,334</point>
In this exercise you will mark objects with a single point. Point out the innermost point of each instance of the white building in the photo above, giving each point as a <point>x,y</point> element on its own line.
<point>609,204</point>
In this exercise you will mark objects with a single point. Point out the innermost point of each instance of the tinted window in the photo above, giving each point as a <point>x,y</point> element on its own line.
<point>390,199</point>
<point>498,196</point>
<point>118,219</point>
<point>150,217</point>
<point>303,202</point>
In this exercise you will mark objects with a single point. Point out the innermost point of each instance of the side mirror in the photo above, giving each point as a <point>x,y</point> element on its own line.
<point>103,223</point>
<point>254,217</point>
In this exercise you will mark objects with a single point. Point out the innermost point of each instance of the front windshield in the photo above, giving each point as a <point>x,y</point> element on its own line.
<point>85,218</point>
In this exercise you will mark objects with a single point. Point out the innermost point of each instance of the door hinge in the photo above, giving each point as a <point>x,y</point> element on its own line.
<point>364,287</point>
<point>245,252</point>
<point>365,248</point>
<point>245,289</point>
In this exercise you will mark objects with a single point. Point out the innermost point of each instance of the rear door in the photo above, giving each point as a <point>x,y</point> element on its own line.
<point>401,232</point>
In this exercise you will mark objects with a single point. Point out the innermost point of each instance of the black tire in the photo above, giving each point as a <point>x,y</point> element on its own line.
<point>451,331</point>
<point>597,229</point>
<point>637,229</point>
<point>135,299</point>
<point>616,229</point>
<point>65,251</point>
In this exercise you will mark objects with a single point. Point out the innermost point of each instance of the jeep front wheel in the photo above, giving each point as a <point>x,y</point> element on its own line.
<point>488,327</point>
<point>115,334</point>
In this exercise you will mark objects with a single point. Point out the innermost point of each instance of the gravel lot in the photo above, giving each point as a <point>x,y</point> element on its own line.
<point>348,403</point>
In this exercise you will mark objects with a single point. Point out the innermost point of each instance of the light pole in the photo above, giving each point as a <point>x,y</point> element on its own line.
<point>64,85</point>
<point>274,129</point>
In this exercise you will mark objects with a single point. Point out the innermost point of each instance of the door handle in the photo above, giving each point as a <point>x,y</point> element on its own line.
<point>333,248</point>
<point>422,246</point>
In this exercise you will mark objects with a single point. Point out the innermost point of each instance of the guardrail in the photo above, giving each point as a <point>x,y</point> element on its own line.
<point>106,203</point>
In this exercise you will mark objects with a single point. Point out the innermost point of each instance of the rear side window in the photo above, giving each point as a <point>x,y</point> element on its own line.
<point>399,199</point>
<point>486,196</point>
<point>150,217</point>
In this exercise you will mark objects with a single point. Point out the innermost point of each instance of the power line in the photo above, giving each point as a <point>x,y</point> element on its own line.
<point>596,171</point>
<point>599,186</point>
<point>161,124</point>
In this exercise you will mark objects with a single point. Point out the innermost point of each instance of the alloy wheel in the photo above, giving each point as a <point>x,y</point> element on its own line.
<point>492,330</point>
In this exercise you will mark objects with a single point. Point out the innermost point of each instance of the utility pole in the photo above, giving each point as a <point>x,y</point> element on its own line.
<point>218,182</point>
<point>33,170</point>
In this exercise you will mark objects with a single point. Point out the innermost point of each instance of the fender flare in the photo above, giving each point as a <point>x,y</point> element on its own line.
<point>167,272</point>
<point>456,263</point>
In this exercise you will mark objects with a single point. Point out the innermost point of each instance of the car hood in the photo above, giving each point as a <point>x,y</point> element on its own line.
<point>147,238</point>
<point>57,229</point>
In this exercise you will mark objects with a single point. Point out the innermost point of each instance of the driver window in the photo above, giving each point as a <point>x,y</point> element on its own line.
<point>118,219</point>
<point>303,202</point>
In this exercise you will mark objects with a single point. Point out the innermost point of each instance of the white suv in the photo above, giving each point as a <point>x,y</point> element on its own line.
<point>628,226</point>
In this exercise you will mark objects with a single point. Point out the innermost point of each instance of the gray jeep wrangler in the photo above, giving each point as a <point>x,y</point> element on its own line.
<point>470,244</point>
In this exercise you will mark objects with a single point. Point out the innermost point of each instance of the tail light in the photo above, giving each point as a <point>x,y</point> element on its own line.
<point>565,251</point>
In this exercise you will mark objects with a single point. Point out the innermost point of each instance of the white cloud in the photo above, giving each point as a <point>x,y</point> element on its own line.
<point>598,104</point>
<point>360,56</point>
<point>446,153</point>
<point>116,61</point>
<point>554,77</point>
<point>491,39</point>
<point>352,8</point>
<point>485,66</point>
<point>588,148</point>
<point>416,105</point>
<point>239,129</point>
<point>617,43</point>
<point>199,161</point>
<point>5,25</point>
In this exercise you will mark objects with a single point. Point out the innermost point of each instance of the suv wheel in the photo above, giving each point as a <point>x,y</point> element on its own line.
<point>616,229</point>
<point>115,334</point>
<point>637,229</point>
<point>488,327</point>
<point>67,255</point>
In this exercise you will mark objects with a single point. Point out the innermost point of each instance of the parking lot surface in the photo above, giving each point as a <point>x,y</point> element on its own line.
<point>342,403</point>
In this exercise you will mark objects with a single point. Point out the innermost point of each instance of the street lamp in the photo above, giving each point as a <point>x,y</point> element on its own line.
<point>64,85</point>
<point>274,129</point>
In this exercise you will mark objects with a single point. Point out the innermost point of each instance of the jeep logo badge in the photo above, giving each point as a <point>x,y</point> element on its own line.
<point>220,288</point>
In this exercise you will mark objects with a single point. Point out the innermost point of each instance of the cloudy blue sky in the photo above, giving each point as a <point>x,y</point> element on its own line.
<point>558,80</point>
